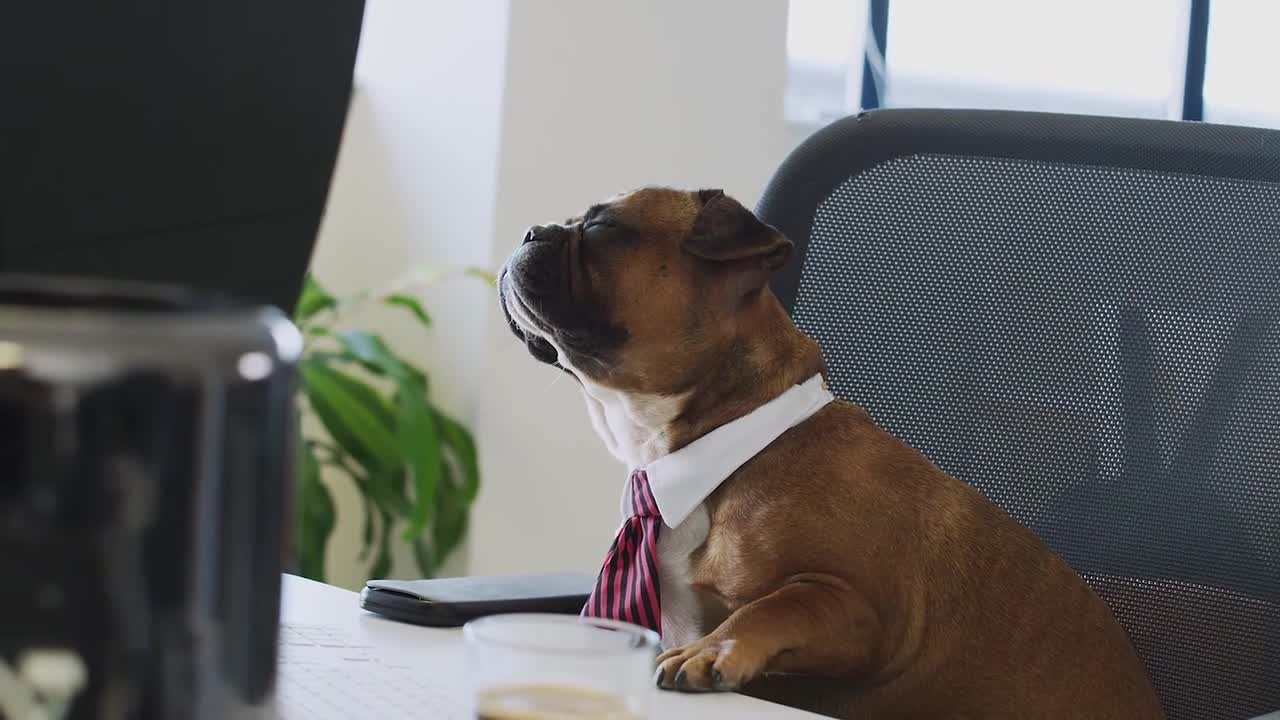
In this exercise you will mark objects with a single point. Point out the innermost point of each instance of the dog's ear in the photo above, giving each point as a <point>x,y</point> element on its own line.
<point>727,232</point>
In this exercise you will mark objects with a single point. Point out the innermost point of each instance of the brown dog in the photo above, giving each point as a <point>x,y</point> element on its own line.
<point>836,570</point>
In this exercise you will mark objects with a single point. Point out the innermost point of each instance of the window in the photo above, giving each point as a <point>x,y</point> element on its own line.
<point>1085,56</point>
<point>1135,58</point>
<point>1243,56</point>
<point>825,50</point>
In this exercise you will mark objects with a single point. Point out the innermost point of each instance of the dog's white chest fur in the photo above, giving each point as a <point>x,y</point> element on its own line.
<point>684,616</point>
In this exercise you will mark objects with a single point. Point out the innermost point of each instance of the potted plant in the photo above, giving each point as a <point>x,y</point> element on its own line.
<point>379,430</point>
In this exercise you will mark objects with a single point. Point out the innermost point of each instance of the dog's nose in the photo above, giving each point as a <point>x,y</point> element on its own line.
<point>535,233</point>
<point>539,233</point>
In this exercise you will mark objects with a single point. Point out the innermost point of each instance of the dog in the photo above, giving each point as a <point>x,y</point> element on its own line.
<point>836,570</point>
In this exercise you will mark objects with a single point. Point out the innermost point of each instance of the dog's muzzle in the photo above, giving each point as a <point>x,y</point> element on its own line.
<point>527,329</point>
<point>537,267</point>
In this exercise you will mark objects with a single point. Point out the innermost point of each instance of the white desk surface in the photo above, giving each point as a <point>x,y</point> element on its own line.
<point>440,653</point>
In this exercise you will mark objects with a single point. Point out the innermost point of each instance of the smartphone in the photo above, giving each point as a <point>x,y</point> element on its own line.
<point>451,602</point>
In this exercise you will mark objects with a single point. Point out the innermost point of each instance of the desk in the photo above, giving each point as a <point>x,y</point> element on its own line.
<point>439,655</point>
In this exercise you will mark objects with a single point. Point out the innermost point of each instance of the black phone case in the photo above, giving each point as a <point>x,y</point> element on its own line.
<point>451,602</point>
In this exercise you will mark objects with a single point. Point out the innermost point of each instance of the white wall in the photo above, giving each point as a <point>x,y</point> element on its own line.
<point>415,183</point>
<point>473,120</point>
<point>602,96</point>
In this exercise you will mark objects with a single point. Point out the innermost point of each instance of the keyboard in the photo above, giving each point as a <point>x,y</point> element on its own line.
<point>324,675</point>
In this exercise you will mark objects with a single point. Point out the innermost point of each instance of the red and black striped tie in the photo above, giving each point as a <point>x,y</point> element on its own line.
<point>627,588</point>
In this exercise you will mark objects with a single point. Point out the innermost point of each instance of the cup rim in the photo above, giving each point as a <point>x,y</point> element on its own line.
<point>485,631</point>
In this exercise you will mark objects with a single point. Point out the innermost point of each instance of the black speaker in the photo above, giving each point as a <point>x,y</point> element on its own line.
<point>147,440</point>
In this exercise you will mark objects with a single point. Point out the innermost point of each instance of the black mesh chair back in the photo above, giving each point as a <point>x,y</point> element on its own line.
<point>1080,317</point>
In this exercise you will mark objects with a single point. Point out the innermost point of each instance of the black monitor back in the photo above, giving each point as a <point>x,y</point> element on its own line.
<point>185,142</point>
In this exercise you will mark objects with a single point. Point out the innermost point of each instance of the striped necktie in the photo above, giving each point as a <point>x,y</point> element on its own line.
<point>627,588</point>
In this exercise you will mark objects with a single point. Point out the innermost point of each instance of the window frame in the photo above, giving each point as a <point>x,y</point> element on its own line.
<point>1193,69</point>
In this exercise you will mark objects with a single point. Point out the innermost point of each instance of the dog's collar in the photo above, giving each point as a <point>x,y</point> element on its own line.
<point>683,479</point>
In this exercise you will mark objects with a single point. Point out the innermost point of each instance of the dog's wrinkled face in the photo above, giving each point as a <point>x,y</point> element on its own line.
<point>641,293</point>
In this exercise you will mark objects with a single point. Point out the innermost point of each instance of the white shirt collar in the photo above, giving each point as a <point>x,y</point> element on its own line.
<point>683,479</point>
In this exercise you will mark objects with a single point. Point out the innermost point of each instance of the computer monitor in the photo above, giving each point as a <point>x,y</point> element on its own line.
<point>172,141</point>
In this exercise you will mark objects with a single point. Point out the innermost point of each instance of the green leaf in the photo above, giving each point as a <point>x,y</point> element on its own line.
<point>411,304</point>
<point>315,516</point>
<point>373,354</point>
<point>424,556</point>
<point>388,492</point>
<point>366,500</point>
<point>314,300</point>
<point>463,447</point>
<point>359,419</point>
<point>420,446</point>
<point>382,566</point>
<point>483,274</point>
<point>325,357</point>
<point>450,517</point>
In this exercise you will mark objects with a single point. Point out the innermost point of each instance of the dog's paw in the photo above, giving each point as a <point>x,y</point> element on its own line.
<point>710,664</point>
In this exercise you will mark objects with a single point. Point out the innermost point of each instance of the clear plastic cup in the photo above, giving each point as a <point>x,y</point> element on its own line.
<point>560,667</point>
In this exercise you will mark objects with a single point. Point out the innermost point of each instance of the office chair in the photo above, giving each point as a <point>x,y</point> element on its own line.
<point>1079,316</point>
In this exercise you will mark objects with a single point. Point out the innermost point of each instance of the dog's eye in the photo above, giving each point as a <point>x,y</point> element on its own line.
<point>599,225</point>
